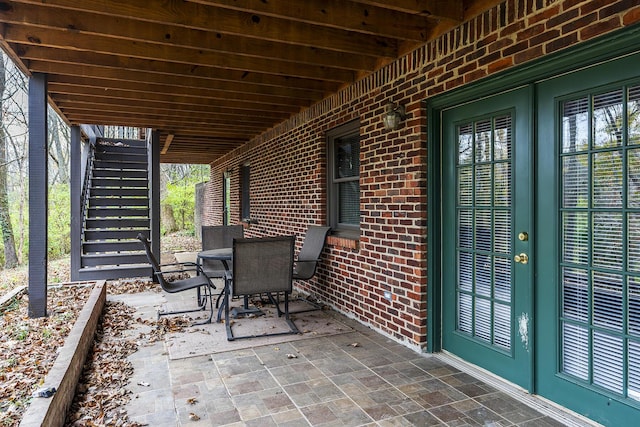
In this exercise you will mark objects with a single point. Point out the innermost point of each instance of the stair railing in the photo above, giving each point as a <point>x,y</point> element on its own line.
<point>88,172</point>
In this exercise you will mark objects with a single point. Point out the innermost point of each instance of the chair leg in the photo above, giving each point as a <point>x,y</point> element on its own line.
<point>293,329</point>
<point>292,326</point>
<point>208,296</point>
<point>227,320</point>
<point>202,304</point>
<point>276,301</point>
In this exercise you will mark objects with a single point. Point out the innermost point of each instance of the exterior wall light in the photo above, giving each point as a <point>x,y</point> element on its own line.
<point>393,115</point>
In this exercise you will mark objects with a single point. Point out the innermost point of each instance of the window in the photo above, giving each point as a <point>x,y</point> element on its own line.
<point>343,189</point>
<point>226,198</point>
<point>245,180</point>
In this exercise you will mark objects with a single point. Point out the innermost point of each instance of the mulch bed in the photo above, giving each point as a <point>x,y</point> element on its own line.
<point>28,348</point>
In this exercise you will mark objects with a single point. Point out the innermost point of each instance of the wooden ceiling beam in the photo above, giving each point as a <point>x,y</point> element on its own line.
<point>130,96</point>
<point>188,82</point>
<point>174,70</point>
<point>452,10</point>
<point>66,73</point>
<point>169,90</point>
<point>167,143</point>
<point>96,103</point>
<point>173,121</point>
<point>164,122</point>
<point>225,21</point>
<point>367,19</point>
<point>237,119</point>
<point>27,36</point>
<point>83,24</point>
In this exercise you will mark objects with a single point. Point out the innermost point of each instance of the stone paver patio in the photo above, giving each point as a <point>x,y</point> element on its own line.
<point>355,378</point>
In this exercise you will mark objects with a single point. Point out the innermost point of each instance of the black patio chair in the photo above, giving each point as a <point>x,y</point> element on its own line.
<point>218,237</point>
<point>260,266</point>
<point>306,263</point>
<point>200,282</point>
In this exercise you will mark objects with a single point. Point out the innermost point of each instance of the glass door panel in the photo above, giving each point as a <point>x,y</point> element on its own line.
<point>486,293</point>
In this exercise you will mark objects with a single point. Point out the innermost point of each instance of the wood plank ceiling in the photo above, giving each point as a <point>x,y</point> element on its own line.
<point>211,74</point>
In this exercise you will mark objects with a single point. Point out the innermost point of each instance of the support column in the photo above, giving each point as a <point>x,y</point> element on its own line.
<point>154,189</point>
<point>38,195</point>
<point>76,193</point>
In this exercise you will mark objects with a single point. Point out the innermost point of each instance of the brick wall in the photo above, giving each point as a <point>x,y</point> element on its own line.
<point>288,165</point>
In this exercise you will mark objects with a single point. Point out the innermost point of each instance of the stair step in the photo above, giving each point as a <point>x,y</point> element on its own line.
<point>90,248</point>
<point>115,272</point>
<point>113,259</point>
<point>105,235</point>
<point>119,173</point>
<point>107,212</point>
<point>121,142</point>
<point>119,165</point>
<point>125,148</point>
<point>119,182</point>
<point>116,223</point>
<point>118,202</point>
<point>122,192</point>
<point>127,156</point>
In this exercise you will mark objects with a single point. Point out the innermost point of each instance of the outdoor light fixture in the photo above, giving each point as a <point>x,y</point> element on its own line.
<point>393,115</point>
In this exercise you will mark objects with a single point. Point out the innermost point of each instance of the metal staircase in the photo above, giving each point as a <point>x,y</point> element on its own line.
<point>116,208</point>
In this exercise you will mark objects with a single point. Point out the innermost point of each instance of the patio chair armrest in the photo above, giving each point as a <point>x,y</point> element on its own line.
<point>178,263</point>
<point>158,273</point>
<point>188,263</point>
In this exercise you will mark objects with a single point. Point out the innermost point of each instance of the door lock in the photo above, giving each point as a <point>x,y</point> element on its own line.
<point>521,258</point>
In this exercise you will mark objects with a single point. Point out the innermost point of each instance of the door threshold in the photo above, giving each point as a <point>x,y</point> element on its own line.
<point>540,404</point>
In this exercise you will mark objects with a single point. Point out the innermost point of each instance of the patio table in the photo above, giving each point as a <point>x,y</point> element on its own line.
<point>225,255</point>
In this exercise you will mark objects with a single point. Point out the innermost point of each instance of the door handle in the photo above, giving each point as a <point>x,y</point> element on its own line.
<point>521,258</point>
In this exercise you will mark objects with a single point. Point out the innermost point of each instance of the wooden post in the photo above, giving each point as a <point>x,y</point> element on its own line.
<point>75,190</point>
<point>38,200</point>
<point>154,189</point>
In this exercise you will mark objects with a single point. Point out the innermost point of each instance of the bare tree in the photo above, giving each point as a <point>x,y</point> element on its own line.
<point>59,138</point>
<point>10,256</point>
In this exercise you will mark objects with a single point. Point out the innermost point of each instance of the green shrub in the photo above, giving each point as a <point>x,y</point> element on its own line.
<point>59,226</point>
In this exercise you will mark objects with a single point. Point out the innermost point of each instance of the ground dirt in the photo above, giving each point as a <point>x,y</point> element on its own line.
<point>28,347</point>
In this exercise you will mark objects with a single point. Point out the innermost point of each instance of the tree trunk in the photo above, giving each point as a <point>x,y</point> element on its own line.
<point>10,256</point>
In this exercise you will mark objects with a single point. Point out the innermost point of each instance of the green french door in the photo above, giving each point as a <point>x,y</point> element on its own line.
<point>487,234</point>
<point>588,242</point>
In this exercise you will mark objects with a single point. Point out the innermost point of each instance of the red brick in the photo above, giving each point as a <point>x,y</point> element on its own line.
<point>561,43</point>
<point>544,15</point>
<point>528,55</point>
<point>631,17</point>
<point>592,5</point>
<point>561,19</point>
<point>599,28</point>
<point>500,65</point>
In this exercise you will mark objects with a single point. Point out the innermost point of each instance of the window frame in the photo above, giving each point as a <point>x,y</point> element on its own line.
<point>334,136</point>
<point>226,198</point>
<point>245,192</point>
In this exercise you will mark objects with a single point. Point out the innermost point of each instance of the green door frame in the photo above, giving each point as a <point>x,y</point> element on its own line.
<point>591,401</point>
<point>514,362</point>
<point>590,54</point>
<point>617,44</point>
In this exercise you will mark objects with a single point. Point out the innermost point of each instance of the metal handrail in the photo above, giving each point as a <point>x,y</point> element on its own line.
<point>87,179</point>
